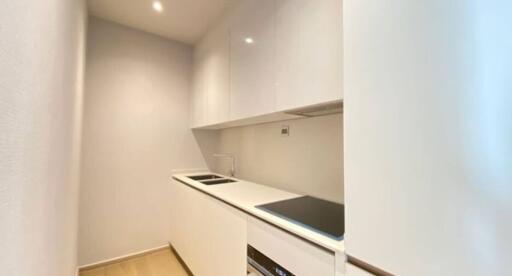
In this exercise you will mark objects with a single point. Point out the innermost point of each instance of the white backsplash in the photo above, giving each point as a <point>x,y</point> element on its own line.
<point>308,161</point>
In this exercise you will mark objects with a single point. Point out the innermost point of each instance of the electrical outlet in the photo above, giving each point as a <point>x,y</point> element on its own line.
<point>285,131</point>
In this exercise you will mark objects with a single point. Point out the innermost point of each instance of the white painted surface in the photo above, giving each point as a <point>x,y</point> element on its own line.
<point>135,134</point>
<point>252,65</point>
<point>199,95</point>
<point>211,96</point>
<point>227,238</point>
<point>246,195</point>
<point>183,235</point>
<point>41,68</point>
<point>352,270</point>
<point>297,256</point>
<point>308,52</point>
<point>266,57</point>
<point>308,161</point>
<point>340,263</point>
<point>428,136</point>
<point>218,68</point>
<point>182,20</point>
<point>211,237</point>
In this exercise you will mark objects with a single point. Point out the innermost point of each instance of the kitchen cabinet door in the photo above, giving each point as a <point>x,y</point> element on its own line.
<point>352,270</point>
<point>210,236</point>
<point>199,101</point>
<point>308,52</point>
<point>227,238</point>
<point>187,232</point>
<point>253,59</point>
<point>427,136</point>
<point>296,255</point>
<point>177,228</point>
<point>217,71</point>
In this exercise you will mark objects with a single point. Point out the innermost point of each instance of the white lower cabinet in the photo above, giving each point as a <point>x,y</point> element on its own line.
<point>297,256</point>
<point>185,235</point>
<point>226,230</point>
<point>210,236</point>
<point>352,270</point>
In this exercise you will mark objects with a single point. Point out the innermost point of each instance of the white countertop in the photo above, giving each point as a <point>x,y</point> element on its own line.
<point>246,195</point>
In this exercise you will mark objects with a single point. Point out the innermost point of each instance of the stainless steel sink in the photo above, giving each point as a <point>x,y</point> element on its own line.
<point>204,177</point>
<point>217,181</point>
<point>211,179</point>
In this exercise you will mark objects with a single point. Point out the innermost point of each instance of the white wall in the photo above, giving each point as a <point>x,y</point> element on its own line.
<point>309,161</point>
<point>136,131</point>
<point>428,144</point>
<point>41,61</point>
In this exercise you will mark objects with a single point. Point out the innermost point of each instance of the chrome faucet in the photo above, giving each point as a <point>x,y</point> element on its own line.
<point>233,162</point>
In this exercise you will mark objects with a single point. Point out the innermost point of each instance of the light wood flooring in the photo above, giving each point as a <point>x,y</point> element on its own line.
<point>158,263</point>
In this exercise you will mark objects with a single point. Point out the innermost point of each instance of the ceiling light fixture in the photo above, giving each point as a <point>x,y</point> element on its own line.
<point>157,6</point>
<point>249,40</point>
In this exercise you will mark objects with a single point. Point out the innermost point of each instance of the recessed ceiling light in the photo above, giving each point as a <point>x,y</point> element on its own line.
<point>157,6</point>
<point>249,40</point>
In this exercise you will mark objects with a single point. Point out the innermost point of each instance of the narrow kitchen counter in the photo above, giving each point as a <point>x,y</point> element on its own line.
<point>245,195</point>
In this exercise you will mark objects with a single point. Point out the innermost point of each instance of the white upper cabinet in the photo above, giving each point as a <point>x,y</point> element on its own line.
<point>217,71</point>
<point>308,52</point>
<point>211,77</point>
<point>268,56</point>
<point>199,101</point>
<point>253,59</point>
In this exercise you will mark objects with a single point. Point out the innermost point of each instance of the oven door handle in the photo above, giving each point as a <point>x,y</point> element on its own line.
<point>254,269</point>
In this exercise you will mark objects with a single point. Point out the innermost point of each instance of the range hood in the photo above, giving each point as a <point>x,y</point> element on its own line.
<point>318,110</point>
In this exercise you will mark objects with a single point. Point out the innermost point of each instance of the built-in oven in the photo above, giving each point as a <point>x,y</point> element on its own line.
<point>260,265</point>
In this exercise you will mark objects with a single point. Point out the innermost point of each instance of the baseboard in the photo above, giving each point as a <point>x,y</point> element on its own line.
<point>122,258</point>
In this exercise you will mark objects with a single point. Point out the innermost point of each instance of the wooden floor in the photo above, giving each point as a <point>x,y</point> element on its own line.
<point>159,263</point>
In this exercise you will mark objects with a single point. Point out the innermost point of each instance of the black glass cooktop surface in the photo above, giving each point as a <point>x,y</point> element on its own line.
<point>319,215</point>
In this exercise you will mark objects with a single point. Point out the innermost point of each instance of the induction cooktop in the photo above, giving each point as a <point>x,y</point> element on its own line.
<point>324,217</point>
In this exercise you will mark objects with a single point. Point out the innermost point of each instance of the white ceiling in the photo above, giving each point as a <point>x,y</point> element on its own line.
<point>182,20</point>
